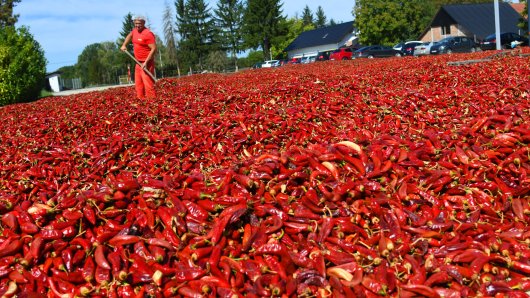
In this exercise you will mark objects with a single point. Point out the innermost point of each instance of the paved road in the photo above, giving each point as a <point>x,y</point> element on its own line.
<point>84,90</point>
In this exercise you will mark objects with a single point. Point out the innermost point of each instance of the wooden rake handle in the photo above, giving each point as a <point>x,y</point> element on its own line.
<point>138,62</point>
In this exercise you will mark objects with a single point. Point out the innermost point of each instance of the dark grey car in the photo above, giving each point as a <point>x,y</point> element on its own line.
<point>490,42</point>
<point>376,51</point>
<point>454,44</point>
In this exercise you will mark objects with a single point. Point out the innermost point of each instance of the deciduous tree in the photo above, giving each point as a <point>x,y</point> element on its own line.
<point>389,21</point>
<point>89,65</point>
<point>22,66</point>
<point>294,27</point>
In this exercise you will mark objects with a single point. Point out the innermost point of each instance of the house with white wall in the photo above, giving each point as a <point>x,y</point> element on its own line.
<point>322,39</point>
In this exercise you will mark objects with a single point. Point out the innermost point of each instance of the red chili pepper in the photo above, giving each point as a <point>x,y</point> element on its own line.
<point>272,249</point>
<point>325,228</point>
<point>104,235</point>
<point>517,207</point>
<point>75,277</point>
<point>10,220</point>
<point>228,215</point>
<point>160,242</point>
<point>10,247</point>
<point>126,186</point>
<point>115,261</point>
<point>102,275</point>
<point>120,240</point>
<point>418,275</point>
<point>17,276</point>
<point>125,291</point>
<point>172,238</point>
<point>159,253</point>
<point>421,290</point>
<point>171,221</point>
<point>337,256</point>
<point>301,211</point>
<point>69,232</point>
<point>142,251</point>
<point>84,243</point>
<point>55,290</point>
<point>99,257</point>
<point>89,214</point>
<point>189,274</point>
<point>196,211</point>
<point>186,291</point>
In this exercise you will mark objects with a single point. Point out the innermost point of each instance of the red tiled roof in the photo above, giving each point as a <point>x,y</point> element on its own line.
<point>519,7</point>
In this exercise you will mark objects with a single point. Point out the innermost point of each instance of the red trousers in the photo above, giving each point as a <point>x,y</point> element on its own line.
<point>144,84</point>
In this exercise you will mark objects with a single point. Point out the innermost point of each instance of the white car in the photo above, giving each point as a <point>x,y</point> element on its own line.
<point>271,63</point>
<point>423,49</point>
<point>308,59</point>
<point>400,45</point>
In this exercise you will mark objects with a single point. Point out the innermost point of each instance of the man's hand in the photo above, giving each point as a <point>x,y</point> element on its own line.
<point>123,48</point>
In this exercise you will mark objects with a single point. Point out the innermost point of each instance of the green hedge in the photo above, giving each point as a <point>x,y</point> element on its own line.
<point>22,66</point>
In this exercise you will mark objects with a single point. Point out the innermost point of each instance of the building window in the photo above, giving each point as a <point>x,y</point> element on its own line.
<point>446,29</point>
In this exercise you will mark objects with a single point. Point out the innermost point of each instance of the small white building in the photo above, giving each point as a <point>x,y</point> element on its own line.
<point>54,80</point>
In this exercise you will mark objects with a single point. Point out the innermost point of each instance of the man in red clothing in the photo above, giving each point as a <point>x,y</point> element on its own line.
<point>144,51</point>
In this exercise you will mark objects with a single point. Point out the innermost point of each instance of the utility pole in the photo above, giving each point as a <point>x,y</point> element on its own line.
<point>497,25</point>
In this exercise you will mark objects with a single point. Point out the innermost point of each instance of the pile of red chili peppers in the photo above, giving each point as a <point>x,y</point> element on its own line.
<point>393,177</point>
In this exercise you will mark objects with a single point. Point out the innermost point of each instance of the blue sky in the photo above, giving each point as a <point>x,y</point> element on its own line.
<point>65,27</point>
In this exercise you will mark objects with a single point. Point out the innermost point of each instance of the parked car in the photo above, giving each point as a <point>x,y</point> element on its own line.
<point>270,63</point>
<point>454,44</point>
<point>400,45</point>
<point>409,47</point>
<point>323,55</point>
<point>309,59</point>
<point>423,48</point>
<point>296,60</point>
<point>490,42</point>
<point>376,51</point>
<point>257,65</point>
<point>341,54</point>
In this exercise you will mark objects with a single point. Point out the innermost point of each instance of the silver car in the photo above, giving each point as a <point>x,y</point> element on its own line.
<point>423,49</point>
<point>270,63</point>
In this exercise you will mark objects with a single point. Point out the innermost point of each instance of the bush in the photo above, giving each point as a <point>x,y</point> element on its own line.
<point>22,66</point>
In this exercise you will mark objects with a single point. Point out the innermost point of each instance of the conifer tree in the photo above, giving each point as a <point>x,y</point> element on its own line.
<point>307,16</point>
<point>170,40</point>
<point>7,18</point>
<point>262,24</point>
<point>197,31</point>
<point>320,17</point>
<point>126,28</point>
<point>229,20</point>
